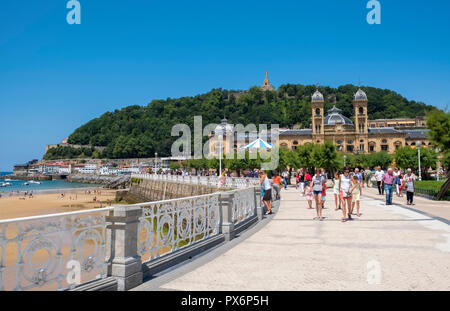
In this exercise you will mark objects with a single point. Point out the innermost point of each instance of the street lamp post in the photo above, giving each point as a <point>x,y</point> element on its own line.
<point>156,155</point>
<point>220,154</point>
<point>418,144</point>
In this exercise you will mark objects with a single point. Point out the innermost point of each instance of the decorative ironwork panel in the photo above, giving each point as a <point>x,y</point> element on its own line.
<point>243,205</point>
<point>167,226</point>
<point>45,252</point>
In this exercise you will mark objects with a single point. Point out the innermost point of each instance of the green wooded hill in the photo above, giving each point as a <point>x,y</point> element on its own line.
<point>140,131</point>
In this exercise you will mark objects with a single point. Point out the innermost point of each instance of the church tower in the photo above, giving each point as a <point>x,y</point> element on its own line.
<point>361,121</point>
<point>266,86</point>
<point>317,106</point>
<point>360,105</point>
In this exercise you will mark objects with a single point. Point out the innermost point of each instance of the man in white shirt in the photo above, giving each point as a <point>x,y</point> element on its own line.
<point>379,177</point>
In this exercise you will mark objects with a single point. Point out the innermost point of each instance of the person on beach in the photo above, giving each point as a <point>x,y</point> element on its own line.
<point>356,193</point>
<point>317,184</point>
<point>409,180</point>
<point>267,188</point>
<point>309,195</point>
<point>345,193</point>
<point>337,199</point>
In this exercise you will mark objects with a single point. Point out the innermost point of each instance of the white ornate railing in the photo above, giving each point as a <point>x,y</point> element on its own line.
<point>52,251</point>
<point>243,205</point>
<point>230,182</point>
<point>166,226</point>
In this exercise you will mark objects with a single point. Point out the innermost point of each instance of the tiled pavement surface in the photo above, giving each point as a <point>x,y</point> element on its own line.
<point>295,252</point>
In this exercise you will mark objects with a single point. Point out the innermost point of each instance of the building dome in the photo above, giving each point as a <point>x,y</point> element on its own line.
<point>360,95</point>
<point>317,96</point>
<point>223,126</point>
<point>334,116</point>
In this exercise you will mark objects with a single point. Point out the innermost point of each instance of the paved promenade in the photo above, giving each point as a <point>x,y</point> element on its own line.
<point>387,248</point>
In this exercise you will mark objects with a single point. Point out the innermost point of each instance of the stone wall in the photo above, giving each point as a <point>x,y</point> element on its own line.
<point>143,190</point>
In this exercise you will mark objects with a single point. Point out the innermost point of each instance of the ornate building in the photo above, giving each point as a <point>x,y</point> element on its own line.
<point>355,137</point>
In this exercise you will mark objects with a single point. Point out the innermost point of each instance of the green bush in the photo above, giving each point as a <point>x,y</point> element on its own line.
<point>430,188</point>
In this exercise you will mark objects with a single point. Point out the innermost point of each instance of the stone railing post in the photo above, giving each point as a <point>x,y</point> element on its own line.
<point>125,263</point>
<point>258,206</point>
<point>226,206</point>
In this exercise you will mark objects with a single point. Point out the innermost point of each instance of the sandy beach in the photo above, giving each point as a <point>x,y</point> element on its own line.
<point>50,203</point>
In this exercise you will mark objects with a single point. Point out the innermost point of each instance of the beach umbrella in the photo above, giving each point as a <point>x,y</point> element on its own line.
<point>258,144</point>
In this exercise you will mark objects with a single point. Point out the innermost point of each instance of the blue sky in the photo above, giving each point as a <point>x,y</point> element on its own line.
<point>55,77</point>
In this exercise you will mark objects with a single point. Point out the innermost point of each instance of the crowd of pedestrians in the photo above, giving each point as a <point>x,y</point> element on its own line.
<point>347,188</point>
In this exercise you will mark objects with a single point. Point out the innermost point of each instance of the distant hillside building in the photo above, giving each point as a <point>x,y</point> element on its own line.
<point>64,143</point>
<point>266,86</point>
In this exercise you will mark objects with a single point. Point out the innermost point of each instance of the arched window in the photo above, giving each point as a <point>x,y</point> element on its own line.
<point>339,142</point>
<point>317,111</point>
<point>384,141</point>
<point>350,142</point>
<point>295,142</point>
<point>361,110</point>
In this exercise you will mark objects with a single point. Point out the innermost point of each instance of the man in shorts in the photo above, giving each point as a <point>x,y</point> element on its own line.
<point>267,188</point>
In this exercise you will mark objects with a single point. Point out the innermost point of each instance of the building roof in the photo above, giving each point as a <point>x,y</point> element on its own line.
<point>413,134</point>
<point>334,116</point>
<point>296,132</point>
<point>360,95</point>
<point>317,96</point>
<point>223,127</point>
<point>383,130</point>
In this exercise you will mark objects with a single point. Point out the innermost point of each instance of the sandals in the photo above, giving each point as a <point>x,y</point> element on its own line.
<point>343,220</point>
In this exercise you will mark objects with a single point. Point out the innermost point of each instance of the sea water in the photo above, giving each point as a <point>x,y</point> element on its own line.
<point>45,186</point>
